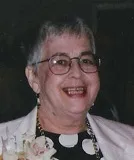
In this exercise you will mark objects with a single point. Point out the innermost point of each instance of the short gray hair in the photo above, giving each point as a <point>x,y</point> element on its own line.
<point>73,26</point>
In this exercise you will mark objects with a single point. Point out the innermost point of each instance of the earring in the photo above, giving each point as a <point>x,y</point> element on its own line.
<point>91,107</point>
<point>38,100</point>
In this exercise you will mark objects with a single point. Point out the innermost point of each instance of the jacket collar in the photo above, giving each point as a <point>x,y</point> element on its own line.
<point>27,124</point>
<point>113,142</point>
<point>109,150</point>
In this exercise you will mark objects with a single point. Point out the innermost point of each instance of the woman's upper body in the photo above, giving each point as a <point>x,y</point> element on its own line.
<point>114,139</point>
<point>63,70</point>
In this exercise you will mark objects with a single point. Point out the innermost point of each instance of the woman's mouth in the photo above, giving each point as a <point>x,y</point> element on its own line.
<point>75,91</point>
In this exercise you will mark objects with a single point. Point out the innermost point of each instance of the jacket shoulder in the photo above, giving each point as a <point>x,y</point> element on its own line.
<point>20,125</point>
<point>10,126</point>
<point>118,128</point>
<point>115,139</point>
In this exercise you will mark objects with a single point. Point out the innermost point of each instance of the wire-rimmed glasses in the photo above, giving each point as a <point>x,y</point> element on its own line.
<point>60,64</point>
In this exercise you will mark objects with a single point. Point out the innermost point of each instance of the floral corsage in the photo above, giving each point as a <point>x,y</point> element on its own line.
<point>27,147</point>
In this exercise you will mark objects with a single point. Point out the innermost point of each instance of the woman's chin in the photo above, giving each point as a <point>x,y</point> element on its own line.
<point>78,108</point>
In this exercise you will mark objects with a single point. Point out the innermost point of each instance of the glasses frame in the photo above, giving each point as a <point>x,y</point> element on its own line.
<point>97,59</point>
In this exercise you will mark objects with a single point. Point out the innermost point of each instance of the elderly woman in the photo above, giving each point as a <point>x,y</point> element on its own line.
<point>62,70</point>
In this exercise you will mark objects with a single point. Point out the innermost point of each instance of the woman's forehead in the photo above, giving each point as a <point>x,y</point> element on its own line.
<point>69,44</point>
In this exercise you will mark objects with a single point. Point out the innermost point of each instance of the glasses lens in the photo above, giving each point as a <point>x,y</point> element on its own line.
<point>59,64</point>
<point>88,63</point>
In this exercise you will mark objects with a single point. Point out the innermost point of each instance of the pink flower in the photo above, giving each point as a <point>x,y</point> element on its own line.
<point>37,150</point>
<point>38,146</point>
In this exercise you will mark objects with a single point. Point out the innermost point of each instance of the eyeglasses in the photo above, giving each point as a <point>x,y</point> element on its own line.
<point>61,64</point>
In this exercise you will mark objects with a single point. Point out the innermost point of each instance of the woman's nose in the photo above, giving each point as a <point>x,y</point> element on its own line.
<point>75,70</point>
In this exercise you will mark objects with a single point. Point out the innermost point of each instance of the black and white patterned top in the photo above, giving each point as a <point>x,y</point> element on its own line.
<point>72,147</point>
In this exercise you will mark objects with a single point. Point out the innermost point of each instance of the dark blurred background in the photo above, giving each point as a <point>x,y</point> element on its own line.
<point>113,24</point>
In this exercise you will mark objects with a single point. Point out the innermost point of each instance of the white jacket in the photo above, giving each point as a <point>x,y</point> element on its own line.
<point>116,140</point>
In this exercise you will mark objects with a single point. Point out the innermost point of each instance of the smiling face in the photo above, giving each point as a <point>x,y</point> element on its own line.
<point>74,92</point>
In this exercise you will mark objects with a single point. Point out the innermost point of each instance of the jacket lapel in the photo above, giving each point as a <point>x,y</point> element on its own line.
<point>27,125</point>
<point>110,143</point>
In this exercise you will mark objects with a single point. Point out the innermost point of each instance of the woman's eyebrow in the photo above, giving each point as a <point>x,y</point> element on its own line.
<point>60,54</point>
<point>86,53</point>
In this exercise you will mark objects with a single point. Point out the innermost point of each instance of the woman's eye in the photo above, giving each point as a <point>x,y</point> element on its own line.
<point>87,61</point>
<point>62,62</point>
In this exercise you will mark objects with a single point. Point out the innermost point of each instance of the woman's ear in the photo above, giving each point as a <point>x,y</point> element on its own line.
<point>32,79</point>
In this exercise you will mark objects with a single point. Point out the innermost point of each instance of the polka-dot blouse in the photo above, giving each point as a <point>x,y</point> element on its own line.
<point>72,147</point>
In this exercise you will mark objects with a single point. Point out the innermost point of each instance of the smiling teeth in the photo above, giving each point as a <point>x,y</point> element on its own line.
<point>75,90</point>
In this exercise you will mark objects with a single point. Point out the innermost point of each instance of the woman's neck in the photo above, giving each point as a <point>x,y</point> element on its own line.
<point>61,124</point>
